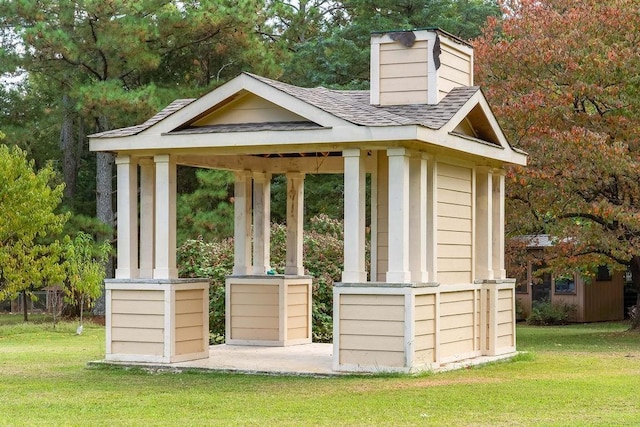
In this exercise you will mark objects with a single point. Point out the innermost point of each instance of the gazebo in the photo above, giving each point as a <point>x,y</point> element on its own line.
<point>436,291</point>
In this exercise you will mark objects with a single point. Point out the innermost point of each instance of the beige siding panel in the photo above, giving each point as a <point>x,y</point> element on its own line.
<point>454,251</point>
<point>184,320</point>
<point>425,300</point>
<point>186,347</point>
<point>298,289</point>
<point>425,356</point>
<point>189,295</point>
<point>447,197</point>
<point>189,306</point>
<point>241,298</point>
<point>403,84</point>
<point>455,59</point>
<point>461,182</point>
<point>420,44</point>
<point>252,322</point>
<point>454,237</point>
<point>118,294</point>
<point>425,327</point>
<point>453,211</point>
<point>425,312</point>
<point>453,308</point>
<point>454,264</point>
<point>446,223</point>
<point>372,300</point>
<point>137,320</point>
<point>505,329</point>
<point>239,288</point>
<point>137,307</point>
<point>458,77</point>
<point>457,321</point>
<point>504,316</point>
<point>297,299</point>
<point>404,55</point>
<point>297,310</point>
<point>449,278</point>
<point>249,109</point>
<point>426,341</point>
<point>371,342</point>
<point>297,322</point>
<point>254,334</point>
<point>414,69</point>
<point>457,347</point>
<point>252,310</point>
<point>189,333</point>
<point>371,327</point>
<point>372,312</point>
<point>297,333</point>
<point>456,296</point>
<point>153,349</point>
<point>505,341</point>
<point>505,304</point>
<point>402,98</point>
<point>453,171</point>
<point>372,358</point>
<point>137,334</point>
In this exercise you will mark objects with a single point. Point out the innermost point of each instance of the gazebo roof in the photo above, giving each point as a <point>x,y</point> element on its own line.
<point>461,121</point>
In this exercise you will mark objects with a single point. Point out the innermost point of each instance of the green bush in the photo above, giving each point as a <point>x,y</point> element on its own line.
<point>546,314</point>
<point>323,260</point>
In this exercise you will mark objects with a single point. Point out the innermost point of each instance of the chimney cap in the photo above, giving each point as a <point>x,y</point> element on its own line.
<point>431,29</point>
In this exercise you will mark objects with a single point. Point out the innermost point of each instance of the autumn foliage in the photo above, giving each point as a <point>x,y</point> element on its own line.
<point>563,77</point>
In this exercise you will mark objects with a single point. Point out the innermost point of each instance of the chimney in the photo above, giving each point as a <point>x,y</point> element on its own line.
<point>418,66</point>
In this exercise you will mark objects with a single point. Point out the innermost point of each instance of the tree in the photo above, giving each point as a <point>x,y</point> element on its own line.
<point>84,265</point>
<point>28,205</point>
<point>563,79</point>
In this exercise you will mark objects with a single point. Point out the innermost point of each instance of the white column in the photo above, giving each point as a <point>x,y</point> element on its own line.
<point>418,218</point>
<point>432,219</point>
<point>261,222</point>
<point>165,224</point>
<point>483,224</point>
<point>147,217</point>
<point>354,216</point>
<point>498,195</point>
<point>242,224</point>
<point>295,220</point>
<point>127,205</point>
<point>398,270</point>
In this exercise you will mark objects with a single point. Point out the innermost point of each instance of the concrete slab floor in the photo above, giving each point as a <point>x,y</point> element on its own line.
<point>314,359</point>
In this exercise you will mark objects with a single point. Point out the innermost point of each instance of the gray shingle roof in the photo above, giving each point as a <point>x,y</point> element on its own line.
<point>350,105</point>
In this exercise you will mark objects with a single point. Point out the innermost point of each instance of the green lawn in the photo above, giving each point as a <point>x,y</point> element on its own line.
<point>572,375</point>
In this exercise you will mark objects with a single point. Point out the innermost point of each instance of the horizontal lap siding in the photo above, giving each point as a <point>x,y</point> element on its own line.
<point>137,322</point>
<point>372,330</point>
<point>454,231</point>
<point>455,70</point>
<point>504,317</point>
<point>254,312</point>
<point>403,73</point>
<point>458,323</point>
<point>249,109</point>
<point>298,309</point>
<point>425,328</point>
<point>189,321</point>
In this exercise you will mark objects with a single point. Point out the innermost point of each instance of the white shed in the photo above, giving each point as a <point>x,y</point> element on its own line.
<point>437,290</point>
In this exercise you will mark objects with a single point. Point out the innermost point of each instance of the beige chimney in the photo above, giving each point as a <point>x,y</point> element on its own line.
<point>418,66</point>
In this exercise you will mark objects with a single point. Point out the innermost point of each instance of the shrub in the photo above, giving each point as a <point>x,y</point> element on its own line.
<point>547,314</point>
<point>323,260</point>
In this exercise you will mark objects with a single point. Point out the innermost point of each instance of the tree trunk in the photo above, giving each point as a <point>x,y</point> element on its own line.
<point>634,313</point>
<point>69,151</point>
<point>24,306</point>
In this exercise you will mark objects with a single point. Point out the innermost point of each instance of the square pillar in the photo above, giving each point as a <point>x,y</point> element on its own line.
<point>432,219</point>
<point>484,224</point>
<point>398,270</point>
<point>165,218</point>
<point>418,218</point>
<point>242,224</point>
<point>147,217</point>
<point>261,222</point>
<point>295,217</point>
<point>354,216</point>
<point>127,208</point>
<point>497,230</point>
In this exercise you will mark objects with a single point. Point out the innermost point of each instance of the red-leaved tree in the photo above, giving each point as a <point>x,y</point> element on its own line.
<point>563,78</point>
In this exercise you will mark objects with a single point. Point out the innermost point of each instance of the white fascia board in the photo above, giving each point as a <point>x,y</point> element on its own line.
<point>443,139</point>
<point>330,136</point>
<point>247,83</point>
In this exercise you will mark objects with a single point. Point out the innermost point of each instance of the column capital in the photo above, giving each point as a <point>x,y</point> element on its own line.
<point>295,175</point>
<point>162,158</point>
<point>261,177</point>
<point>123,159</point>
<point>352,152</point>
<point>397,151</point>
<point>145,161</point>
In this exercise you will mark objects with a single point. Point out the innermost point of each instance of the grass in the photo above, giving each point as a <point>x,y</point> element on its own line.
<point>572,375</point>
